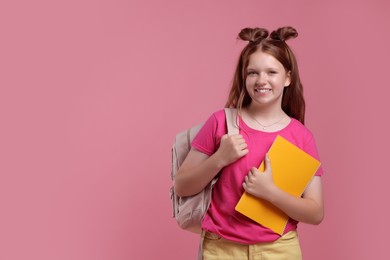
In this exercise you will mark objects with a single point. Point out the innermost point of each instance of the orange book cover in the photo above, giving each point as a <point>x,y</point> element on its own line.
<point>292,170</point>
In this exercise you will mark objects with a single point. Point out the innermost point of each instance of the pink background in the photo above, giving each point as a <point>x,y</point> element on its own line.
<point>93,92</point>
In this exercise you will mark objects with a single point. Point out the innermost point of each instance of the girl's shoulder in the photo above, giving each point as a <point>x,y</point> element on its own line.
<point>219,113</point>
<point>298,126</point>
<point>216,123</point>
<point>218,116</point>
<point>215,120</point>
<point>299,131</point>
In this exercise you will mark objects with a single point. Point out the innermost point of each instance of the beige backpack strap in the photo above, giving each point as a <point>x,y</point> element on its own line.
<point>231,121</point>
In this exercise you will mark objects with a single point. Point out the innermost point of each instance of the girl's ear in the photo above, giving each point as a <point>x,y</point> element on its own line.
<point>288,79</point>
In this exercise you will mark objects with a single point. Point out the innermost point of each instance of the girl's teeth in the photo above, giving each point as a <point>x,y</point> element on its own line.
<point>262,90</point>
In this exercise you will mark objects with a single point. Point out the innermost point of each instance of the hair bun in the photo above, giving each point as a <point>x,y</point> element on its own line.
<point>284,33</point>
<point>253,35</point>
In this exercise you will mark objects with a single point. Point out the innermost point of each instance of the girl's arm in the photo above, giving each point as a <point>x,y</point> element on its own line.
<point>198,169</point>
<point>309,208</point>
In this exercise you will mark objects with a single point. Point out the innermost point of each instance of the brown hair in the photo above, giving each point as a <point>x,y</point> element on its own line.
<point>293,103</point>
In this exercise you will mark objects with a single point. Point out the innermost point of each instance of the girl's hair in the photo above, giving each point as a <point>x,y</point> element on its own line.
<point>293,103</point>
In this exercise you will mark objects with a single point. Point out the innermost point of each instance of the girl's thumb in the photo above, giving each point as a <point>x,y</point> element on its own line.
<point>267,162</point>
<point>225,136</point>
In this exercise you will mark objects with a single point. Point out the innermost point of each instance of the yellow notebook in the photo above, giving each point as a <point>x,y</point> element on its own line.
<point>292,170</point>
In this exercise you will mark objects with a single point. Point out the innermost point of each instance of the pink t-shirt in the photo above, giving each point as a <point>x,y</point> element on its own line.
<point>222,218</point>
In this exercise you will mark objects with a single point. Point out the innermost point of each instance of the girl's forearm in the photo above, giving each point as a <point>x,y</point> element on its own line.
<point>301,209</point>
<point>190,181</point>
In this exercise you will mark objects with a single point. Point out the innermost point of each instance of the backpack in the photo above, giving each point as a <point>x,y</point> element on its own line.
<point>189,211</point>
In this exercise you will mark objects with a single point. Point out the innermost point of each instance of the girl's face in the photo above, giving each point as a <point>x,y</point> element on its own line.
<point>266,79</point>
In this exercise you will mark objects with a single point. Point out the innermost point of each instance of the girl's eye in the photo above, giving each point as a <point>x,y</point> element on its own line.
<point>251,73</point>
<point>273,72</point>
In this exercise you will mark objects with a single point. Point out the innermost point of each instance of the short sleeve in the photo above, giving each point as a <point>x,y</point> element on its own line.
<point>209,136</point>
<point>311,148</point>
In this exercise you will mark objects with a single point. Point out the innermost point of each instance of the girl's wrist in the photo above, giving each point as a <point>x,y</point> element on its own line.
<point>219,160</point>
<point>274,193</point>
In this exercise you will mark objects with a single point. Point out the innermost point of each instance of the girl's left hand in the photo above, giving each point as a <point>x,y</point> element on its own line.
<point>260,184</point>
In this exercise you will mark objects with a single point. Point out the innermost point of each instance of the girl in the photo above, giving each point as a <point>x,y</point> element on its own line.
<point>268,95</point>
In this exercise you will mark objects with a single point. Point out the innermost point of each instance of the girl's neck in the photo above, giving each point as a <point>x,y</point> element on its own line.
<point>265,113</point>
<point>268,120</point>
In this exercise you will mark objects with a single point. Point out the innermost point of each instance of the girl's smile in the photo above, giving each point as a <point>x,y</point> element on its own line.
<point>262,90</point>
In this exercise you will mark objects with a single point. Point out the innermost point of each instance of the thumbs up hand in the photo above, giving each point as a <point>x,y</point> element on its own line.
<point>260,184</point>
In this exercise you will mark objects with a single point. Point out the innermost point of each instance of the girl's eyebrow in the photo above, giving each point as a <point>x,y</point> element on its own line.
<point>268,68</point>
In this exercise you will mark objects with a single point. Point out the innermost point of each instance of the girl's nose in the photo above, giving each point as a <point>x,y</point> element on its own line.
<point>262,79</point>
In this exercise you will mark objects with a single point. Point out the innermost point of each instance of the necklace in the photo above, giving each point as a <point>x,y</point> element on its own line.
<point>266,126</point>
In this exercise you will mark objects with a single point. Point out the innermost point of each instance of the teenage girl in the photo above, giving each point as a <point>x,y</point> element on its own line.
<point>268,95</point>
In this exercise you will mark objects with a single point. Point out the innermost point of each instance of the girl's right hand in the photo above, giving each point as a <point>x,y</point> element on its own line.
<point>231,149</point>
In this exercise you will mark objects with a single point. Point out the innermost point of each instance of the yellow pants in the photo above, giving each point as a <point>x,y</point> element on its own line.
<point>286,247</point>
